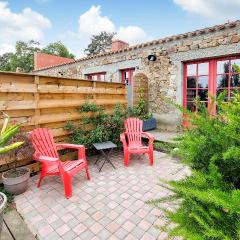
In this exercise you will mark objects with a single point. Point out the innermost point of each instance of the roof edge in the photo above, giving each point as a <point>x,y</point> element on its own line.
<point>194,33</point>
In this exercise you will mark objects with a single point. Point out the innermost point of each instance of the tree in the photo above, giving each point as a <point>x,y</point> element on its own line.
<point>5,61</point>
<point>58,49</point>
<point>100,43</point>
<point>24,55</point>
<point>22,58</point>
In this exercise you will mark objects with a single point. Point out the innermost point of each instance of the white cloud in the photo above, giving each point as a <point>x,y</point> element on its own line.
<point>4,47</point>
<point>24,26</point>
<point>93,22</point>
<point>131,34</point>
<point>212,9</point>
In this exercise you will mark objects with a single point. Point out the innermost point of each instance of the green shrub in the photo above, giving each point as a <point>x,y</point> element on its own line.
<point>209,207</point>
<point>215,139</point>
<point>99,126</point>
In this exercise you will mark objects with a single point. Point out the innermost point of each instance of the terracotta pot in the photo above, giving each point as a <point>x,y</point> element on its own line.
<point>3,204</point>
<point>16,185</point>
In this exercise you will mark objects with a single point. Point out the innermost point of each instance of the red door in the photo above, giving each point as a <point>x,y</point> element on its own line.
<point>127,76</point>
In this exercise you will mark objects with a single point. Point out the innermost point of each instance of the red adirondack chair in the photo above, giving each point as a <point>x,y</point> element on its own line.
<point>132,140</point>
<point>46,153</point>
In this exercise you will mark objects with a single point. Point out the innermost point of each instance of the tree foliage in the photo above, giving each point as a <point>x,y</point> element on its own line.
<point>100,43</point>
<point>6,61</point>
<point>23,57</point>
<point>58,49</point>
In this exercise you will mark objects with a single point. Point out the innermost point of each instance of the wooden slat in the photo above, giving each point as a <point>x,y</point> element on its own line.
<point>16,105</point>
<point>18,87</point>
<point>75,89</point>
<point>77,103</point>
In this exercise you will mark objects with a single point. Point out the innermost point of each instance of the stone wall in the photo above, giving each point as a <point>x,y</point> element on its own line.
<point>165,75</point>
<point>140,88</point>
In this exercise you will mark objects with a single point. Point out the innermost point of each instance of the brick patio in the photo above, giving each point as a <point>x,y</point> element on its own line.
<point>110,206</point>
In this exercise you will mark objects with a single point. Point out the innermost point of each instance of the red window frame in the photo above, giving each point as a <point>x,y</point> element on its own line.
<point>212,81</point>
<point>91,76</point>
<point>128,71</point>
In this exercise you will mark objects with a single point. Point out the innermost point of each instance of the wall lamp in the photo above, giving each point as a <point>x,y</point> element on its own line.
<point>152,58</point>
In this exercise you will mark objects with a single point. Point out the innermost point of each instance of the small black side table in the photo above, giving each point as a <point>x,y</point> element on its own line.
<point>105,149</point>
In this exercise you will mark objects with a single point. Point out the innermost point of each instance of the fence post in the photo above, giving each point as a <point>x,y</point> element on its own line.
<point>94,90</point>
<point>36,100</point>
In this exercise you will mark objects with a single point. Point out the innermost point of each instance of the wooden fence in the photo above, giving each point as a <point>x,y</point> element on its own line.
<point>43,101</point>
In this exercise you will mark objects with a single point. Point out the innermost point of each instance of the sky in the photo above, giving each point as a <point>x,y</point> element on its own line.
<point>135,21</point>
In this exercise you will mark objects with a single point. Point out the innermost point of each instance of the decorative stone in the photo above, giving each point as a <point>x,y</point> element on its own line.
<point>234,39</point>
<point>183,48</point>
<point>194,46</point>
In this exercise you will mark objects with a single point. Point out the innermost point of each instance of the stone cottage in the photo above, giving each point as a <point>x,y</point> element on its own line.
<point>199,64</point>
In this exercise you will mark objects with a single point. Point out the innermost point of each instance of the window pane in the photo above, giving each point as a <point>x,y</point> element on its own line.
<point>235,80</point>
<point>192,70</point>
<point>191,95</point>
<point>94,77</point>
<point>203,82</point>
<point>191,82</point>
<point>222,67</point>
<point>203,95</point>
<point>222,81</point>
<point>203,68</point>
<point>220,91</point>
<point>102,77</point>
<point>202,106</point>
<point>235,66</point>
<point>191,106</point>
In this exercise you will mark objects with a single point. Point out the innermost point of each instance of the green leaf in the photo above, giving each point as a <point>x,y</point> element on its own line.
<point>10,147</point>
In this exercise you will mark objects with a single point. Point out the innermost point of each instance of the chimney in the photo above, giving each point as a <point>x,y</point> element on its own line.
<point>119,45</point>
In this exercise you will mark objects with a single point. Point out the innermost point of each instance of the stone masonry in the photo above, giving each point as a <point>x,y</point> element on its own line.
<point>165,75</point>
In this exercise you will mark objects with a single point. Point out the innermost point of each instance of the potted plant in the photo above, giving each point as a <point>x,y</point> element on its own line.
<point>141,111</point>
<point>19,147</point>
<point>5,135</point>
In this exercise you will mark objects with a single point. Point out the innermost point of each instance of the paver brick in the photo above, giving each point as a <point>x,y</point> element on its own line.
<point>112,227</point>
<point>63,229</point>
<point>96,228</point>
<point>80,228</point>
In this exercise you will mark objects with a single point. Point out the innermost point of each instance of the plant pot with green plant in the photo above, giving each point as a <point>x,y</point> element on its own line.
<point>5,135</point>
<point>141,111</point>
<point>15,146</point>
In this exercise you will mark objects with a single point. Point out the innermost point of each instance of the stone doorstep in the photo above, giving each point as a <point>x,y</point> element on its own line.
<point>15,227</point>
<point>164,136</point>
